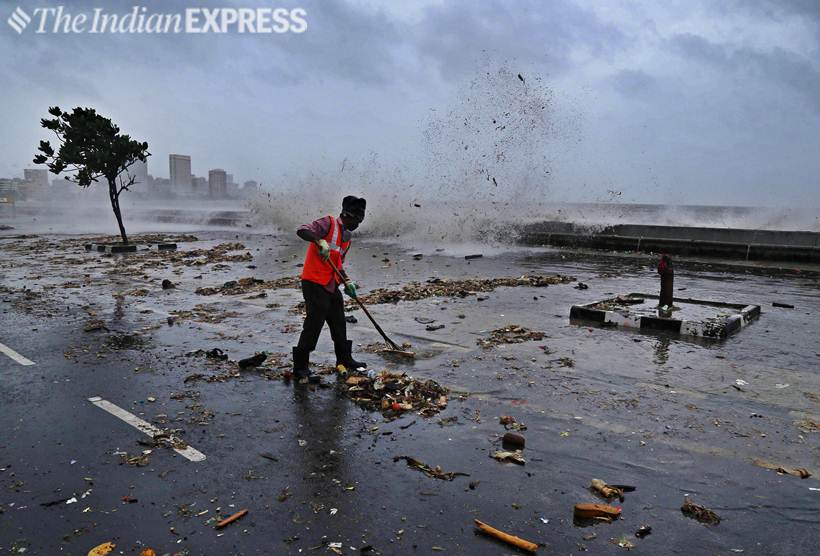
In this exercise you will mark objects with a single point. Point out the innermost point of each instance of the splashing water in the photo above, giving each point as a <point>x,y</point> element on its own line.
<point>485,165</point>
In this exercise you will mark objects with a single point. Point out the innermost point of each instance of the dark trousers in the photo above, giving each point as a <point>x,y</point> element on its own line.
<point>322,307</point>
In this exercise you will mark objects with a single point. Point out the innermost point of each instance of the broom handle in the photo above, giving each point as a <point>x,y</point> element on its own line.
<point>366,312</point>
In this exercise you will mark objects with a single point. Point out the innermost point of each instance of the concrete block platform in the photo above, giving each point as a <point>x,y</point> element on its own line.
<point>130,248</point>
<point>689,317</point>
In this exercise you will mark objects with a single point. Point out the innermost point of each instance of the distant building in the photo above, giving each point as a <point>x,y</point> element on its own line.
<point>36,177</point>
<point>249,189</point>
<point>159,187</point>
<point>229,179</point>
<point>200,186</point>
<point>217,183</point>
<point>180,167</point>
<point>63,189</point>
<point>139,170</point>
<point>8,192</point>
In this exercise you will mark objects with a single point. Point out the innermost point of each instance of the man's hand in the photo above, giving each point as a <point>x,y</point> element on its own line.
<point>350,289</point>
<point>324,249</point>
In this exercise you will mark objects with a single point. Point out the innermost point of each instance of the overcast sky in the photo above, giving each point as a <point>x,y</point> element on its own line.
<point>682,102</point>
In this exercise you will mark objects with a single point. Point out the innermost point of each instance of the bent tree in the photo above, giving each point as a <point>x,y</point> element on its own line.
<point>91,147</point>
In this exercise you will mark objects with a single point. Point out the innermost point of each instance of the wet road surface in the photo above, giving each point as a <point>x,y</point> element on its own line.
<point>661,413</point>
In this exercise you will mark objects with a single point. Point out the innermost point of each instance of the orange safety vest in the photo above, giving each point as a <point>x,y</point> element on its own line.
<point>317,270</point>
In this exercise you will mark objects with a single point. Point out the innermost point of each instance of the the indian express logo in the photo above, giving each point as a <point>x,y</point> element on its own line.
<point>139,20</point>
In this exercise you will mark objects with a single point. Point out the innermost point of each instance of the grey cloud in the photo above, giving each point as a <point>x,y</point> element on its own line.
<point>454,35</point>
<point>795,71</point>
<point>630,82</point>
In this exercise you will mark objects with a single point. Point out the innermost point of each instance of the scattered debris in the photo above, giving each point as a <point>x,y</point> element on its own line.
<point>581,286</point>
<point>434,472</point>
<point>249,285</point>
<point>433,327</point>
<point>512,440</point>
<point>204,313</point>
<point>700,513</point>
<point>801,472</point>
<point>253,361</point>
<point>782,305</point>
<point>54,502</point>
<point>596,511</point>
<point>506,537</point>
<point>94,325</point>
<point>623,542</point>
<point>269,456</point>
<point>808,425</point>
<point>168,285</point>
<point>509,422</point>
<point>475,256</point>
<point>351,319</point>
<point>511,334</point>
<point>394,393</point>
<point>385,349</point>
<point>504,456</point>
<point>103,549</point>
<point>141,460</point>
<point>441,287</point>
<point>643,531</point>
<point>605,490</point>
<point>227,521</point>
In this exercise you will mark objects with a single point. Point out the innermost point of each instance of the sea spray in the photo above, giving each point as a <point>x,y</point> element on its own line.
<point>485,166</point>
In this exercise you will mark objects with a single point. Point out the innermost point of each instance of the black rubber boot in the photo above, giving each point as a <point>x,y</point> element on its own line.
<point>344,356</point>
<point>301,367</point>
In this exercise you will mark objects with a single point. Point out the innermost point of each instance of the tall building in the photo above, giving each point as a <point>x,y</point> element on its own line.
<point>180,166</point>
<point>249,189</point>
<point>36,177</point>
<point>217,183</point>
<point>8,191</point>
<point>139,170</point>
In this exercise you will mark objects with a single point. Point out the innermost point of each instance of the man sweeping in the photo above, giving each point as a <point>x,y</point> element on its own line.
<point>329,241</point>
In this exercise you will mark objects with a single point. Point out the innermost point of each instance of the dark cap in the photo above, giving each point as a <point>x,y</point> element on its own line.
<point>354,206</point>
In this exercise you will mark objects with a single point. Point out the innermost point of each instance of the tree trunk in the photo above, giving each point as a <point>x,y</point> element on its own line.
<point>115,205</point>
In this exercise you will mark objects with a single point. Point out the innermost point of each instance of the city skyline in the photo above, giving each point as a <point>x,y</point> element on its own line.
<point>180,183</point>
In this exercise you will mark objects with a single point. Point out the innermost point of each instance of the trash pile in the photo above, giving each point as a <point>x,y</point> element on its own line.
<point>250,285</point>
<point>511,334</point>
<point>618,302</point>
<point>204,313</point>
<point>217,254</point>
<point>394,394</point>
<point>442,287</point>
<point>383,348</point>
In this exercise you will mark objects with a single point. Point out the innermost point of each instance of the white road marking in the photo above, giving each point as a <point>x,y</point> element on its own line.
<point>143,426</point>
<point>16,356</point>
